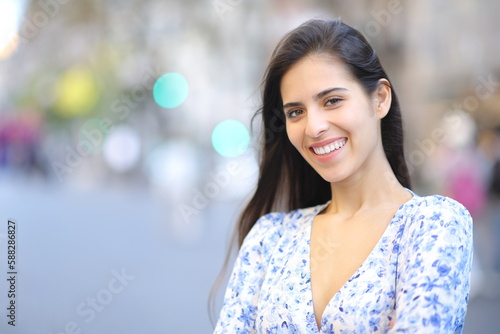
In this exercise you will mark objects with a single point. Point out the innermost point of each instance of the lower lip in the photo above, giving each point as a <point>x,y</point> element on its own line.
<point>327,157</point>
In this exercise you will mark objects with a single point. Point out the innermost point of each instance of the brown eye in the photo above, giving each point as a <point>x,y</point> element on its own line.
<point>294,113</point>
<point>333,101</point>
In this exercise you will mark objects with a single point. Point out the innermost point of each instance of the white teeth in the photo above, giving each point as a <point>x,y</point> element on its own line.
<point>329,148</point>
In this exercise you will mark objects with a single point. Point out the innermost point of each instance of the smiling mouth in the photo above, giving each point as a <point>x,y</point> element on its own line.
<point>323,150</point>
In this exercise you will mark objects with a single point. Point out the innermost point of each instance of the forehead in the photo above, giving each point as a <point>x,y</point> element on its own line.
<point>314,73</point>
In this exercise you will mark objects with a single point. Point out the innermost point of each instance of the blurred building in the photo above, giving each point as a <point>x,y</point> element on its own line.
<point>74,61</point>
<point>78,111</point>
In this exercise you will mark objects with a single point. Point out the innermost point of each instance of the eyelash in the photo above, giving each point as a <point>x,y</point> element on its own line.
<point>290,112</point>
<point>333,100</point>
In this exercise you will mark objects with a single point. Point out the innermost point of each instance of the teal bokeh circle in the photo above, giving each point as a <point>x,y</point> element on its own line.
<point>230,138</point>
<point>170,90</point>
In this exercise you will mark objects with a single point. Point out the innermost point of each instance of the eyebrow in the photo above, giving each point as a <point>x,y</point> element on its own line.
<point>318,96</point>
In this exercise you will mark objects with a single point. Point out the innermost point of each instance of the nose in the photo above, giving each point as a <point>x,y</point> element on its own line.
<point>316,123</point>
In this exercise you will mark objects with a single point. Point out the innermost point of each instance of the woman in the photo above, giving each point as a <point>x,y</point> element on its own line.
<point>359,252</point>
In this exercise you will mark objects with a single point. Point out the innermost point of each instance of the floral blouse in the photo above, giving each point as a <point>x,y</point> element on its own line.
<point>418,273</point>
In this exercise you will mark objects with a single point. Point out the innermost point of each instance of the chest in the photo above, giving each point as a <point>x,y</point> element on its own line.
<point>338,249</point>
<point>287,292</point>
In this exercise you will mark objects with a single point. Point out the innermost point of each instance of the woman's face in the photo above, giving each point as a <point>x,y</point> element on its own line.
<point>330,119</point>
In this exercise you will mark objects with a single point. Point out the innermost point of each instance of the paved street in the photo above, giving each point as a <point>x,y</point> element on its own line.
<point>111,261</point>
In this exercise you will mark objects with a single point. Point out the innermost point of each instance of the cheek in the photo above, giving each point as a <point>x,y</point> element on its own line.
<point>360,121</point>
<point>365,135</point>
<point>294,135</point>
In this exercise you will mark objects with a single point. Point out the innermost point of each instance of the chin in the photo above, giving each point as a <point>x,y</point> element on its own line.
<point>333,179</point>
<point>331,176</point>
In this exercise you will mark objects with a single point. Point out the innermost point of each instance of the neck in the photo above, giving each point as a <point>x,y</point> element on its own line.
<point>373,186</point>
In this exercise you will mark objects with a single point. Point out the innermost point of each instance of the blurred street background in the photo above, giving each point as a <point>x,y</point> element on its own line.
<point>127,149</point>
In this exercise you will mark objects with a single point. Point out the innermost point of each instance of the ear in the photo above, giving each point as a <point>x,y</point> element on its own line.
<point>382,98</point>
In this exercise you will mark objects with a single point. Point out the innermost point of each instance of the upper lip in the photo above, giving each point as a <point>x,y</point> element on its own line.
<point>326,142</point>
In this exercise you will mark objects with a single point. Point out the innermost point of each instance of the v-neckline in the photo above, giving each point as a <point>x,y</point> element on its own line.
<point>308,232</point>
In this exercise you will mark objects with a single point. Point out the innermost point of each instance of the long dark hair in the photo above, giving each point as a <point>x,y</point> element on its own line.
<point>286,180</point>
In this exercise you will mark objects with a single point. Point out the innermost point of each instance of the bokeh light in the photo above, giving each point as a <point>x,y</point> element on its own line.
<point>76,92</point>
<point>9,47</point>
<point>460,130</point>
<point>230,138</point>
<point>173,165</point>
<point>91,136</point>
<point>170,90</point>
<point>10,13</point>
<point>122,148</point>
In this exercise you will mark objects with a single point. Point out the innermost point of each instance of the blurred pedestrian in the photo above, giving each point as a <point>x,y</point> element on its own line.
<point>495,201</point>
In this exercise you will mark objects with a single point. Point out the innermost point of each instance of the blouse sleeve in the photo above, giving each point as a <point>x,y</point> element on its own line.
<point>239,310</point>
<point>434,266</point>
